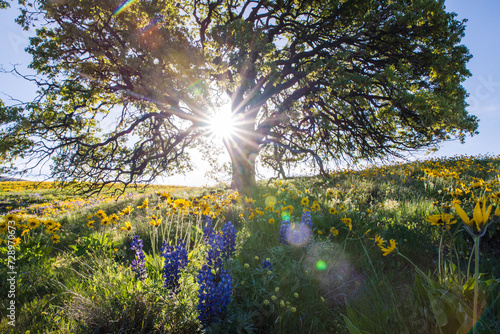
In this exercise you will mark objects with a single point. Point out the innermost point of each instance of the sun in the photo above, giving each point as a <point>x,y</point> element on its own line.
<point>222,123</point>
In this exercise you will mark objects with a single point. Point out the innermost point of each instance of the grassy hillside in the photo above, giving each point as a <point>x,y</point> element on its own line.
<point>380,250</point>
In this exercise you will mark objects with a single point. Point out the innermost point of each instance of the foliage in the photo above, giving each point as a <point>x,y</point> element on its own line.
<point>387,252</point>
<point>306,80</point>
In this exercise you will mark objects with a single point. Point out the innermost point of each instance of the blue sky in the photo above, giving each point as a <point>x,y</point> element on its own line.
<point>482,37</point>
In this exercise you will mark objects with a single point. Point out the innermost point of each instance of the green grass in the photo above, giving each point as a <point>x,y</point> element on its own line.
<point>334,284</point>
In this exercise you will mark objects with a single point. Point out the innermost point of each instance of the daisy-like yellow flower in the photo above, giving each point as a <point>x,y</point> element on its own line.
<point>442,219</point>
<point>334,231</point>
<point>271,221</point>
<point>390,249</point>
<point>320,232</point>
<point>156,222</point>
<point>144,205</point>
<point>4,227</point>
<point>333,211</point>
<point>16,241</point>
<point>126,211</point>
<point>114,218</point>
<point>330,193</point>
<point>24,232</point>
<point>127,227</point>
<point>480,214</point>
<point>379,241</point>
<point>55,239</point>
<point>90,223</point>
<point>315,207</point>
<point>33,223</point>
<point>347,222</point>
<point>100,214</point>
<point>305,201</point>
<point>12,217</point>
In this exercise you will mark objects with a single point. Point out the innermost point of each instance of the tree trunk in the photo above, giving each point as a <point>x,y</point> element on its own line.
<point>243,153</point>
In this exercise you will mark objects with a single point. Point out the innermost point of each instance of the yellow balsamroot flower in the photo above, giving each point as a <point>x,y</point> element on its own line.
<point>12,217</point>
<point>4,227</point>
<point>333,211</point>
<point>144,204</point>
<point>347,222</point>
<point>156,222</point>
<point>271,221</point>
<point>127,227</point>
<point>480,215</point>
<point>305,201</point>
<point>330,192</point>
<point>33,223</point>
<point>315,207</point>
<point>334,231</point>
<point>126,211</point>
<point>379,241</point>
<point>90,223</point>
<point>114,218</point>
<point>441,219</point>
<point>390,249</point>
<point>55,239</point>
<point>16,241</point>
<point>497,210</point>
<point>24,233</point>
<point>100,214</point>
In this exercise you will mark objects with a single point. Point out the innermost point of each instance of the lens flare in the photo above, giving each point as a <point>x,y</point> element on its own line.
<point>298,235</point>
<point>285,215</point>
<point>271,201</point>
<point>124,6</point>
<point>321,265</point>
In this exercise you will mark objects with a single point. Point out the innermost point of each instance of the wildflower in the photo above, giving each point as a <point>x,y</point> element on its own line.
<point>100,214</point>
<point>127,227</point>
<point>390,249</point>
<point>306,219</point>
<point>256,258</point>
<point>320,232</point>
<point>266,264</point>
<point>334,231</point>
<point>229,240</point>
<point>266,302</point>
<point>55,239</point>
<point>305,201</point>
<point>138,265</point>
<point>329,193</point>
<point>215,283</point>
<point>293,309</point>
<point>246,265</point>
<point>480,215</point>
<point>347,222</point>
<point>12,217</point>
<point>283,231</point>
<point>33,223</point>
<point>282,303</point>
<point>208,230</point>
<point>296,295</point>
<point>273,298</point>
<point>144,204</point>
<point>126,211</point>
<point>176,258</point>
<point>315,207</point>
<point>379,241</point>
<point>271,221</point>
<point>114,218</point>
<point>16,241</point>
<point>333,211</point>
<point>441,219</point>
<point>90,223</point>
<point>156,222</point>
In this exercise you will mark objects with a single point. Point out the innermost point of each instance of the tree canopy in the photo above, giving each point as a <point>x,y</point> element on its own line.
<point>126,89</point>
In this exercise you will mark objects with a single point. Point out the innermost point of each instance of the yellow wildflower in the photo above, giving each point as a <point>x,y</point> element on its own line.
<point>334,231</point>
<point>441,219</point>
<point>127,227</point>
<point>390,249</point>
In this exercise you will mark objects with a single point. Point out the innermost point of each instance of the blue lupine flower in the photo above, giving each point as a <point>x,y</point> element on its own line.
<point>176,258</point>
<point>139,264</point>
<point>306,219</point>
<point>215,282</point>
<point>285,225</point>
<point>266,264</point>
<point>208,230</point>
<point>229,240</point>
<point>214,294</point>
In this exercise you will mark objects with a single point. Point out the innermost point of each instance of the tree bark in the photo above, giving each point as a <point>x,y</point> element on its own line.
<point>243,153</point>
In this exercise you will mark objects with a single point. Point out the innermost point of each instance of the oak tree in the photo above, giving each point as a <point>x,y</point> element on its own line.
<point>125,90</point>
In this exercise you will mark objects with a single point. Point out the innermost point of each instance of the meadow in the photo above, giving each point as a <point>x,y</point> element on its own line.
<point>403,248</point>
